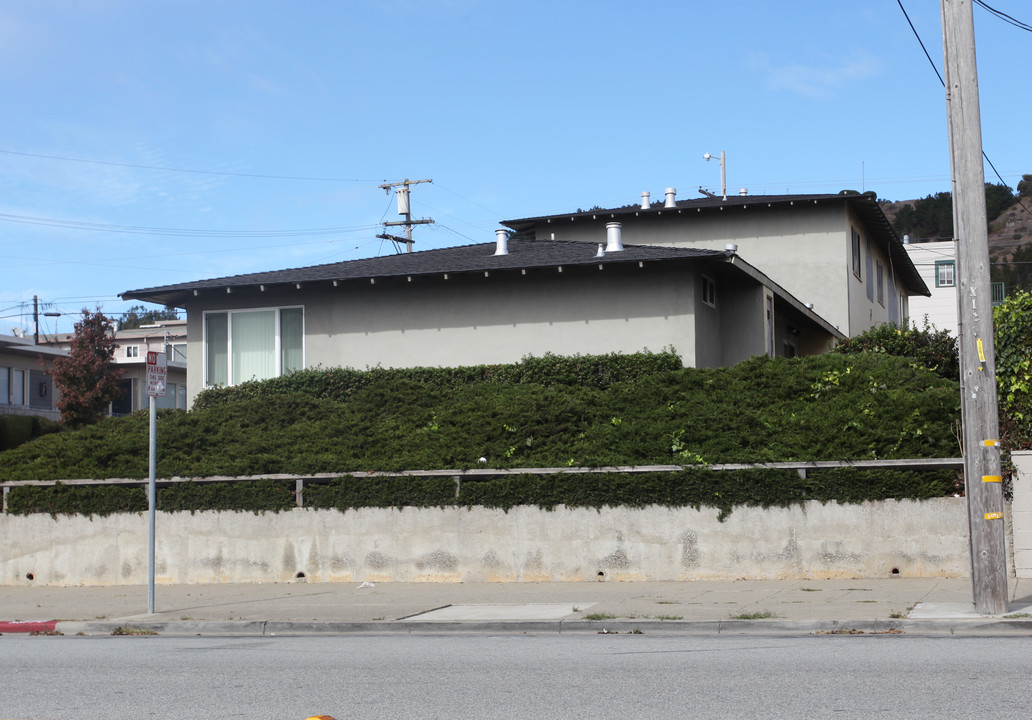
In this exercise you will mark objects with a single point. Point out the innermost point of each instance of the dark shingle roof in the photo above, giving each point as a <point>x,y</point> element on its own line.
<point>466,258</point>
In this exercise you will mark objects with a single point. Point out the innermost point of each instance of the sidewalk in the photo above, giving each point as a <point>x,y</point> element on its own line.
<point>919,605</point>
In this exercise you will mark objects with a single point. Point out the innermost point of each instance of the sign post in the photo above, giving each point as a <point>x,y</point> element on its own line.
<point>157,376</point>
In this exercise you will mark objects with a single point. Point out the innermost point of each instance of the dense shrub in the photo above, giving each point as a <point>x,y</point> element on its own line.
<point>935,349</point>
<point>1013,346</point>
<point>598,371</point>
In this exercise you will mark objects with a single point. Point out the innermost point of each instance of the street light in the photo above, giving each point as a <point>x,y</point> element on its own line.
<point>723,174</point>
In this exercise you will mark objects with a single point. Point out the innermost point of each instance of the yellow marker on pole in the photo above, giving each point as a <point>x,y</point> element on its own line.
<point>994,516</point>
<point>991,443</point>
<point>981,351</point>
<point>992,478</point>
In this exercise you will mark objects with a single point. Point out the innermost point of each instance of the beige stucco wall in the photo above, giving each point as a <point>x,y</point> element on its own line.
<point>917,538</point>
<point>473,319</point>
<point>805,248</point>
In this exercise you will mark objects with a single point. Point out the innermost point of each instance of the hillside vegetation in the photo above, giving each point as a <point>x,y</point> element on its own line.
<point>830,407</point>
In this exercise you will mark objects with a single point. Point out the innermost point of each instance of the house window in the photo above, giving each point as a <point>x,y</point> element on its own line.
<point>132,351</point>
<point>176,352</point>
<point>945,273</point>
<point>789,350</point>
<point>880,269</point>
<point>17,386</point>
<point>856,252</point>
<point>5,386</point>
<point>709,291</point>
<point>241,345</point>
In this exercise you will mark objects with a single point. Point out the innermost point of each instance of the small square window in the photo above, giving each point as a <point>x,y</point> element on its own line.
<point>132,351</point>
<point>945,273</point>
<point>709,291</point>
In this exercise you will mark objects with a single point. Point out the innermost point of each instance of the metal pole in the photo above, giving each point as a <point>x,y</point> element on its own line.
<point>151,502</point>
<point>979,418</point>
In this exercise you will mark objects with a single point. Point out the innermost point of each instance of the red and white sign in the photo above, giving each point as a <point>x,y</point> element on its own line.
<point>157,374</point>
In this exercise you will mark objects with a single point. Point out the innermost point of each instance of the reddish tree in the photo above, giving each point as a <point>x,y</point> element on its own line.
<point>86,378</point>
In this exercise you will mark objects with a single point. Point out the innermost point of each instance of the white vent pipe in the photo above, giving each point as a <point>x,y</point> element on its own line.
<point>671,193</point>
<point>502,247</point>
<point>731,247</point>
<point>743,191</point>
<point>614,237</point>
<point>645,204</point>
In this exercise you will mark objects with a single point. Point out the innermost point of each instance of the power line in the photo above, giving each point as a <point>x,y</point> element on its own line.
<point>943,82</point>
<point>1005,17</point>
<point>181,170</point>
<point>177,232</point>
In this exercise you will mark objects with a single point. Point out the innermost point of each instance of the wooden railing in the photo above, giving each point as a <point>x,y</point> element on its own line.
<point>800,466</point>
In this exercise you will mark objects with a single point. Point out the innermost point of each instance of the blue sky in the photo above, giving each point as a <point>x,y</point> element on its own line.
<point>242,136</point>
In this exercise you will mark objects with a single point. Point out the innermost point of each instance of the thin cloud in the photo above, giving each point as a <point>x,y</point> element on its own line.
<point>817,81</point>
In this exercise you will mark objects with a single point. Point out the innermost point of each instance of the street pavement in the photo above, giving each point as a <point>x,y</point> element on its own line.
<point>890,605</point>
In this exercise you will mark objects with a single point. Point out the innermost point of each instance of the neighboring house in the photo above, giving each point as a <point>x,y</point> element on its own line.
<point>130,356</point>
<point>836,252</point>
<point>25,386</point>
<point>490,303</point>
<point>937,264</point>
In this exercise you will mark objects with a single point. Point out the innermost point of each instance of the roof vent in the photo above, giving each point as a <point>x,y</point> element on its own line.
<point>502,247</point>
<point>614,239</point>
<point>809,306</point>
<point>601,252</point>
<point>645,205</point>
<point>731,247</point>
<point>743,191</point>
<point>671,193</point>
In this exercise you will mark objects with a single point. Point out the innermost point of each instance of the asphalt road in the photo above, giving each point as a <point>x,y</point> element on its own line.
<point>548,676</point>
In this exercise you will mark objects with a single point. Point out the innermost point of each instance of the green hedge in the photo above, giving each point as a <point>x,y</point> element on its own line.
<point>340,384</point>
<point>693,487</point>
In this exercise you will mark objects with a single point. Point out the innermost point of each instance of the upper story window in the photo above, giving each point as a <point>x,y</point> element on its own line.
<point>709,291</point>
<point>945,273</point>
<point>856,251</point>
<point>241,345</point>
<point>132,351</point>
<point>176,352</point>
<point>880,275</point>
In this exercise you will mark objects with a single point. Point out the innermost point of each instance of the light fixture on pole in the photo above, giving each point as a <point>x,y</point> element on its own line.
<point>723,173</point>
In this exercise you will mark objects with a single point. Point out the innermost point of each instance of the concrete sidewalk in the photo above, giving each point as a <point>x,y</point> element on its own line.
<point>743,606</point>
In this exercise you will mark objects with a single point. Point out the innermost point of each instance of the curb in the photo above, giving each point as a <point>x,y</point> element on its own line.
<point>28,626</point>
<point>974,626</point>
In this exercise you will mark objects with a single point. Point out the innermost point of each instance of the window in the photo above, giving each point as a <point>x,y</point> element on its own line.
<point>5,386</point>
<point>132,351</point>
<point>856,252</point>
<point>17,386</point>
<point>880,269</point>
<point>789,350</point>
<point>945,273</point>
<point>241,345</point>
<point>176,352</point>
<point>709,291</point>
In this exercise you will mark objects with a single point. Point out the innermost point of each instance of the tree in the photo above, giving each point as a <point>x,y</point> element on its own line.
<point>138,315</point>
<point>86,378</point>
<point>1025,186</point>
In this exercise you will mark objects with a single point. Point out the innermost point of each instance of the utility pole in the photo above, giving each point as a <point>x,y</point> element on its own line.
<point>979,419</point>
<point>35,318</point>
<point>404,209</point>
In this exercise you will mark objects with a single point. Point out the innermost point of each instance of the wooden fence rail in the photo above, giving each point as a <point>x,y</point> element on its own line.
<point>801,467</point>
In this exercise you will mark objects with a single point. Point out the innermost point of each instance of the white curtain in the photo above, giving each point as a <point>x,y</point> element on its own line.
<point>253,343</point>
<point>216,338</point>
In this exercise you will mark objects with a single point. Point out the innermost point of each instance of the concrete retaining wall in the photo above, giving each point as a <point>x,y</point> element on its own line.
<point>1021,515</point>
<point>875,539</point>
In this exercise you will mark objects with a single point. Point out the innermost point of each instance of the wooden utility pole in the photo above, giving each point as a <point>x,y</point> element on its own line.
<point>980,422</point>
<point>404,209</point>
